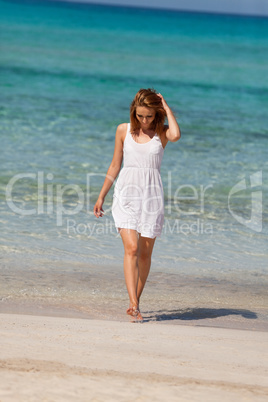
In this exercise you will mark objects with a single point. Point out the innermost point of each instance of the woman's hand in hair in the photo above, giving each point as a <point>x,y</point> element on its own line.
<point>173,132</point>
<point>164,103</point>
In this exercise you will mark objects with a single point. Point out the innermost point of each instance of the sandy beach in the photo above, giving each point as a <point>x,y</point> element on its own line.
<point>67,359</point>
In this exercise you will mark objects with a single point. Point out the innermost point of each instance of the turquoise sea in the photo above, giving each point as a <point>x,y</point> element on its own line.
<point>68,73</point>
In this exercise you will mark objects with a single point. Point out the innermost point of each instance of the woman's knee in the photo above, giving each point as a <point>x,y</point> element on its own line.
<point>146,246</point>
<point>130,241</point>
<point>145,256</point>
<point>131,249</point>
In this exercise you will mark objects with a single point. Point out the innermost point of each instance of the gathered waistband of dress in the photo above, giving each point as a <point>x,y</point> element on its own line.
<point>141,167</point>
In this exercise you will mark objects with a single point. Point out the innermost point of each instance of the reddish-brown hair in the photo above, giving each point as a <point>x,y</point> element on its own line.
<point>148,98</point>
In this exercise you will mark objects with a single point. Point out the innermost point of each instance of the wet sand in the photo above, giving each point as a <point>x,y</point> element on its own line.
<point>76,290</point>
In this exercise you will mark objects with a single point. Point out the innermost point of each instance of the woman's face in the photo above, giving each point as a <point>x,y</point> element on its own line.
<point>145,116</point>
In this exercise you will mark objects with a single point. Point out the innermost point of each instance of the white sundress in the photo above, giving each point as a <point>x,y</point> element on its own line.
<point>138,199</point>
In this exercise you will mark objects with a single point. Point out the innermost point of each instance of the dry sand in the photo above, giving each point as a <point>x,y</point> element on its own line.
<point>68,359</point>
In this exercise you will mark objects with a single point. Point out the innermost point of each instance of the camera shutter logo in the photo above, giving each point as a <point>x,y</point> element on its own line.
<point>255,221</point>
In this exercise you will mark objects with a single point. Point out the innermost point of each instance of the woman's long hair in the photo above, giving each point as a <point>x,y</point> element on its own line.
<point>148,98</point>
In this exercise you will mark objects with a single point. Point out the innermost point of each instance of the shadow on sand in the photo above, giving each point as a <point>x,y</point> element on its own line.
<point>197,314</point>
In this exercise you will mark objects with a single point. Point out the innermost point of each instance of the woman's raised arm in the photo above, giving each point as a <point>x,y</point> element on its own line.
<point>173,132</point>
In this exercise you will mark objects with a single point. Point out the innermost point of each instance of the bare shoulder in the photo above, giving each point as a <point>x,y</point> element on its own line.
<point>121,131</point>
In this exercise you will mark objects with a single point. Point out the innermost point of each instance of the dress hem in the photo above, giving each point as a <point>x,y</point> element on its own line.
<point>143,234</point>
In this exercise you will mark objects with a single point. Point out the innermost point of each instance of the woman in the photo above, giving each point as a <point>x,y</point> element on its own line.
<point>138,200</point>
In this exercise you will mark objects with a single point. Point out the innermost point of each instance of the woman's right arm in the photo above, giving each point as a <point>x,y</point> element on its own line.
<point>113,170</point>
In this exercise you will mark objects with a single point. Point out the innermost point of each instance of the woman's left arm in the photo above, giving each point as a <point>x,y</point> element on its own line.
<point>173,132</point>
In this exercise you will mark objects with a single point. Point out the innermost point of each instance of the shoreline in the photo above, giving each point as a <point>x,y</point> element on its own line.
<point>65,358</point>
<point>94,292</point>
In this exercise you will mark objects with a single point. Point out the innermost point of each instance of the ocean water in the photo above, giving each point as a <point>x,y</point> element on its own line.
<point>68,73</point>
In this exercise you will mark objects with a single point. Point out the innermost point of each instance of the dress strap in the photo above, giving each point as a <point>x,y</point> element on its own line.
<point>128,130</point>
<point>127,133</point>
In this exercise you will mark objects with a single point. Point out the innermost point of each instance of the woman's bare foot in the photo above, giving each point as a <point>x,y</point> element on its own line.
<point>135,313</point>
<point>131,306</point>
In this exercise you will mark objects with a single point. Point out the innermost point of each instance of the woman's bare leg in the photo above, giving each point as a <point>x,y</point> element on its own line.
<point>145,250</point>
<point>131,244</point>
<point>137,263</point>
